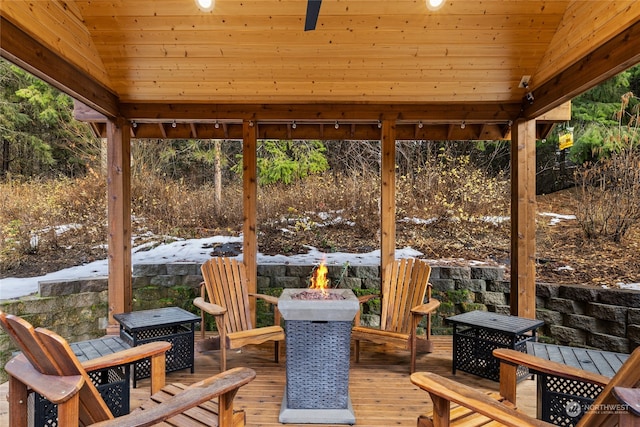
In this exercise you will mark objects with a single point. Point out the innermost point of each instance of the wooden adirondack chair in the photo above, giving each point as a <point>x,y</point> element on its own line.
<point>225,287</point>
<point>457,404</point>
<point>403,305</point>
<point>48,366</point>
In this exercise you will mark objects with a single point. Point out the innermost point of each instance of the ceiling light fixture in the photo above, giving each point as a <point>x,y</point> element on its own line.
<point>174,124</point>
<point>294,125</point>
<point>420,125</point>
<point>205,5</point>
<point>216,125</point>
<point>379,124</point>
<point>434,4</point>
<point>336,125</point>
<point>463,125</point>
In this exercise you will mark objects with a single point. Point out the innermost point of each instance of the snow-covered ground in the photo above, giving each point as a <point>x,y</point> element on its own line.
<point>199,250</point>
<point>195,250</point>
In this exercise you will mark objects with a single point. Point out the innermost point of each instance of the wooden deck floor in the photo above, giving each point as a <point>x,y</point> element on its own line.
<point>379,385</point>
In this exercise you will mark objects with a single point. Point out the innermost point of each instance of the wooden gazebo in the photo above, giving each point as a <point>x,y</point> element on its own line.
<point>371,69</point>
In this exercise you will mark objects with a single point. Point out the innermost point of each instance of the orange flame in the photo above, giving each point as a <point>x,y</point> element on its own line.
<point>319,280</point>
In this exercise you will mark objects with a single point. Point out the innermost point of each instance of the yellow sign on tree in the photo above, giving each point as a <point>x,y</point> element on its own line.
<point>566,140</point>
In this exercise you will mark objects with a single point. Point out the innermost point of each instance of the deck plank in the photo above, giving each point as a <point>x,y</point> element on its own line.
<point>380,389</point>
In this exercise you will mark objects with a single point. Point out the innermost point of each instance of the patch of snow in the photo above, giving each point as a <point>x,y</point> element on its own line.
<point>633,286</point>
<point>557,218</point>
<point>194,250</point>
<point>565,268</point>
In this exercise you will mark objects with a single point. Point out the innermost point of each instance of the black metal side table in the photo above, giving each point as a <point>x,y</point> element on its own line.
<point>112,383</point>
<point>477,333</point>
<point>563,401</point>
<point>171,324</point>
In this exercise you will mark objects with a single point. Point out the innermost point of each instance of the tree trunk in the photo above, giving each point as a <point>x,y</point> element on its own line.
<point>5,159</point>
<point>217,174</point>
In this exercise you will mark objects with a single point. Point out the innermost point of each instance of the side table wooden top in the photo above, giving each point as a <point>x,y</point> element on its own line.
<point>495,321</point>
<point>155,317</point>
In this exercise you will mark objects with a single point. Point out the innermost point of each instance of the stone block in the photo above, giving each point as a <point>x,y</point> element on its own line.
<point>608,342</point>
<point>633,316</point>
<point>633,334</point>
<point>435,272</point>
<point>272,270</point>
<point>579,321</point>
<point>455,272</point>
<point>192,280</point>
<point>302,271</point>
<point>140,281</point>
<point>443,284</point>
<point>351,283</point>
<point>182,268</point>
<point>476,285</point>
<point>149,269</point>
<point>264,282</point>
<point>336,271</point>
<point>371,283</point>
<point>579,293</point>
<point>487,273</point>
<point>365,271</point>
<point>547,290</point>
<point>49,288</point>
<point>621,297</point>
<point>568,336</point>
<point>618,329</point>
<point>549,317</point>
<point>499,286</point>
<point>93,284</point>
<point>607,312</point>
<point>561,305</point>
<point>288,282</point>
<point>494,298</point>
<point>503,309</point>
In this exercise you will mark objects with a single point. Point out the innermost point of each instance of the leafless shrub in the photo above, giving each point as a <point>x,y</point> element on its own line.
<point>610,187</point>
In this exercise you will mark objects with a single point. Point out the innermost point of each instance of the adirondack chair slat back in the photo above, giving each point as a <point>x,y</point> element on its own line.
<point>404,287</point>
<point>50,354</point>
<point>23,335</point>
<point>600,414</point>
<point>226,284</point>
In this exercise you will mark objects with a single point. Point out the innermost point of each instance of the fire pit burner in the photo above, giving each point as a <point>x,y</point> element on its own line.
<point>318,335</point>
<point>316,295</point>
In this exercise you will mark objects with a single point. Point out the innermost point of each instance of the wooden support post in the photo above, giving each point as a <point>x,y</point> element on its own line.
<point>119,219</point>
<point>523,219</point>
<point>250,208</point>
<point>388,195</point>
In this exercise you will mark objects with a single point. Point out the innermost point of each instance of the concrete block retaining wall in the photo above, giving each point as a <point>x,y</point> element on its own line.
<point>574,315</point>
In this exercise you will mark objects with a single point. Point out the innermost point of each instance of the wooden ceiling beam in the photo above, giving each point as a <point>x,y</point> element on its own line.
<point>319,131</point>
<point>427,113</point>
<point>29,54</point>
<point>614,56</point>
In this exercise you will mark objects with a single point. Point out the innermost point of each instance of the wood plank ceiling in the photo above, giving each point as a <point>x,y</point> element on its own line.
<point>154,62</point>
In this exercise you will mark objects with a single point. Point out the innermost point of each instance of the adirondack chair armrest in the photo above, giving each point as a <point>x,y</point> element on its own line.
<point>224,386</point>
<point>127,356</point>
<point>273,300</point>
<point>443,391</point>
<point>268,298</point>
<point>57,389</point>
<point>364,298</point>
<point>427,308</point>
<point>213,309</point>
<point>548,367</point>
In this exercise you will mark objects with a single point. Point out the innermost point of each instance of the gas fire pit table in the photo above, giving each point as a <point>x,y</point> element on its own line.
<point>318,336</point>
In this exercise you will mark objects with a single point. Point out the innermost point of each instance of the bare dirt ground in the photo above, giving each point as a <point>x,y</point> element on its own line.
<point>563,254</point>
